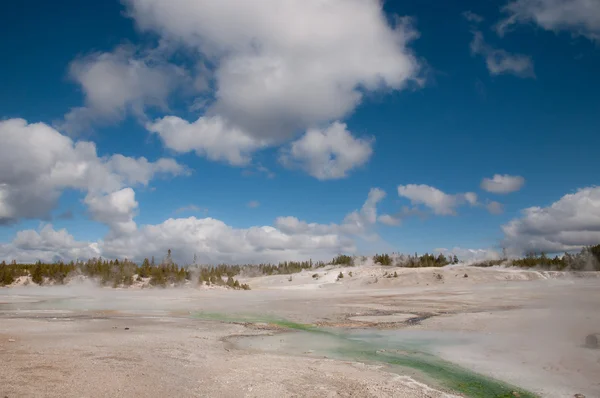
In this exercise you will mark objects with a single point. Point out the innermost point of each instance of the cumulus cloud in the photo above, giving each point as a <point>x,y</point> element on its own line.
<point>210,239</point>
<point>439,202</point>
<point>328,154</point>
<point>115,83</point>
<point>567,224</point>
<point>214,241</point>
<point>47,244</point>
<point>396,219</point>
<point>212,137</point>
<point>277,74</point>
<point>356,222</point>
<point>116,209</point>
<point>390,220</point>
<point>37,164</point>
<point>494,207</point>
<point>502,183</point>
<point>579,17</point>
<point>499,61</point>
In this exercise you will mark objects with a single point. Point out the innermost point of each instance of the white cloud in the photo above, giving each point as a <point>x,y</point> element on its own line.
<point>472,17</point>
<point>253,204</point>
<point>470,255</point>
<point>115,209</point>
<point>494,207</point>
<point>208,136</point>
<point>284,67</point>
<point>439,202</point>
<point>328,154</point>
<point>140,170</point>
<point>37,164</point>
<point>212,240</point>
<point>405,212</point>
<point>579,17</point>
<point>47,244</point>
<point>390,220</point>
<point>117,83</point>
<point>567,224</point>
<point>356,222</point>
<point>499,61</point>
<point>470,197</point>
<point>502,183</point>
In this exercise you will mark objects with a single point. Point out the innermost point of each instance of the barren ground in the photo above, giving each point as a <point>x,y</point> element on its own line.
<point>525,328</point>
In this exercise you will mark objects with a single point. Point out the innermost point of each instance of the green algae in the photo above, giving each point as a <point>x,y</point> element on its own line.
<point>246,318</point>
<point>443,373</point>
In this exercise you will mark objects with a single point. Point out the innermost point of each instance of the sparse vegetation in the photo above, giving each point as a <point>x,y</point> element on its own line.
<point>427,260</point>
<point>214,276</point>
<point>383,259</point>
<point>124,273</point>
<point>588,259</point>
<point>283,268</point>
<point>116,273</point>
<point>342,259</point>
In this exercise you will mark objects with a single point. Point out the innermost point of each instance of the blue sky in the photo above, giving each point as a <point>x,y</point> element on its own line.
<point>303,110</point>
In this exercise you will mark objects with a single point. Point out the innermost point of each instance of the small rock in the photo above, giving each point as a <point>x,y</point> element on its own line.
<point>126,328</point>
<point>515,394</point>
<point>578,396</point>
<point>591,341</point>
<point>11,340</point>
<point>466,276</point>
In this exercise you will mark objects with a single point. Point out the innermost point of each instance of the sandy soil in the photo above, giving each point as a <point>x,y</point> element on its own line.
<point>525,328</point>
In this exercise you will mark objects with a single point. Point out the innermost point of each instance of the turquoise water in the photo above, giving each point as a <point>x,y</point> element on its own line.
<point>404,352</point>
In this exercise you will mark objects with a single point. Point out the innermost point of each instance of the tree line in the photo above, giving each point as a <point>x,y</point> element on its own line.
<point>588,259</point>
<point>120,273</point>
<point>124,273</point>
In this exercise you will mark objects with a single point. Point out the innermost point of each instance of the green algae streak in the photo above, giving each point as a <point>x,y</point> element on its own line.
<point>446,374</point>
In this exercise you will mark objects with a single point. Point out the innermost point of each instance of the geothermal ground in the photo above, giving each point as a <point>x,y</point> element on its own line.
<point>456,331</point>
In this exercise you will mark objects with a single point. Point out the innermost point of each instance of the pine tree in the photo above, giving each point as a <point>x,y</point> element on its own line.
<point>37,276</point>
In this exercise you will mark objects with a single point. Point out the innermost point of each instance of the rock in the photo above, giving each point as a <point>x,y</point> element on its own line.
<point>11,340</point>
<point>591,341</point>
<point>578,396</point>
<point>466,276</point>
<point>515,394</point>
<point>126,328</point>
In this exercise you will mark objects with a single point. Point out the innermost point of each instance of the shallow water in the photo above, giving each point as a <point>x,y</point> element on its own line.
<point>407,352</point>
